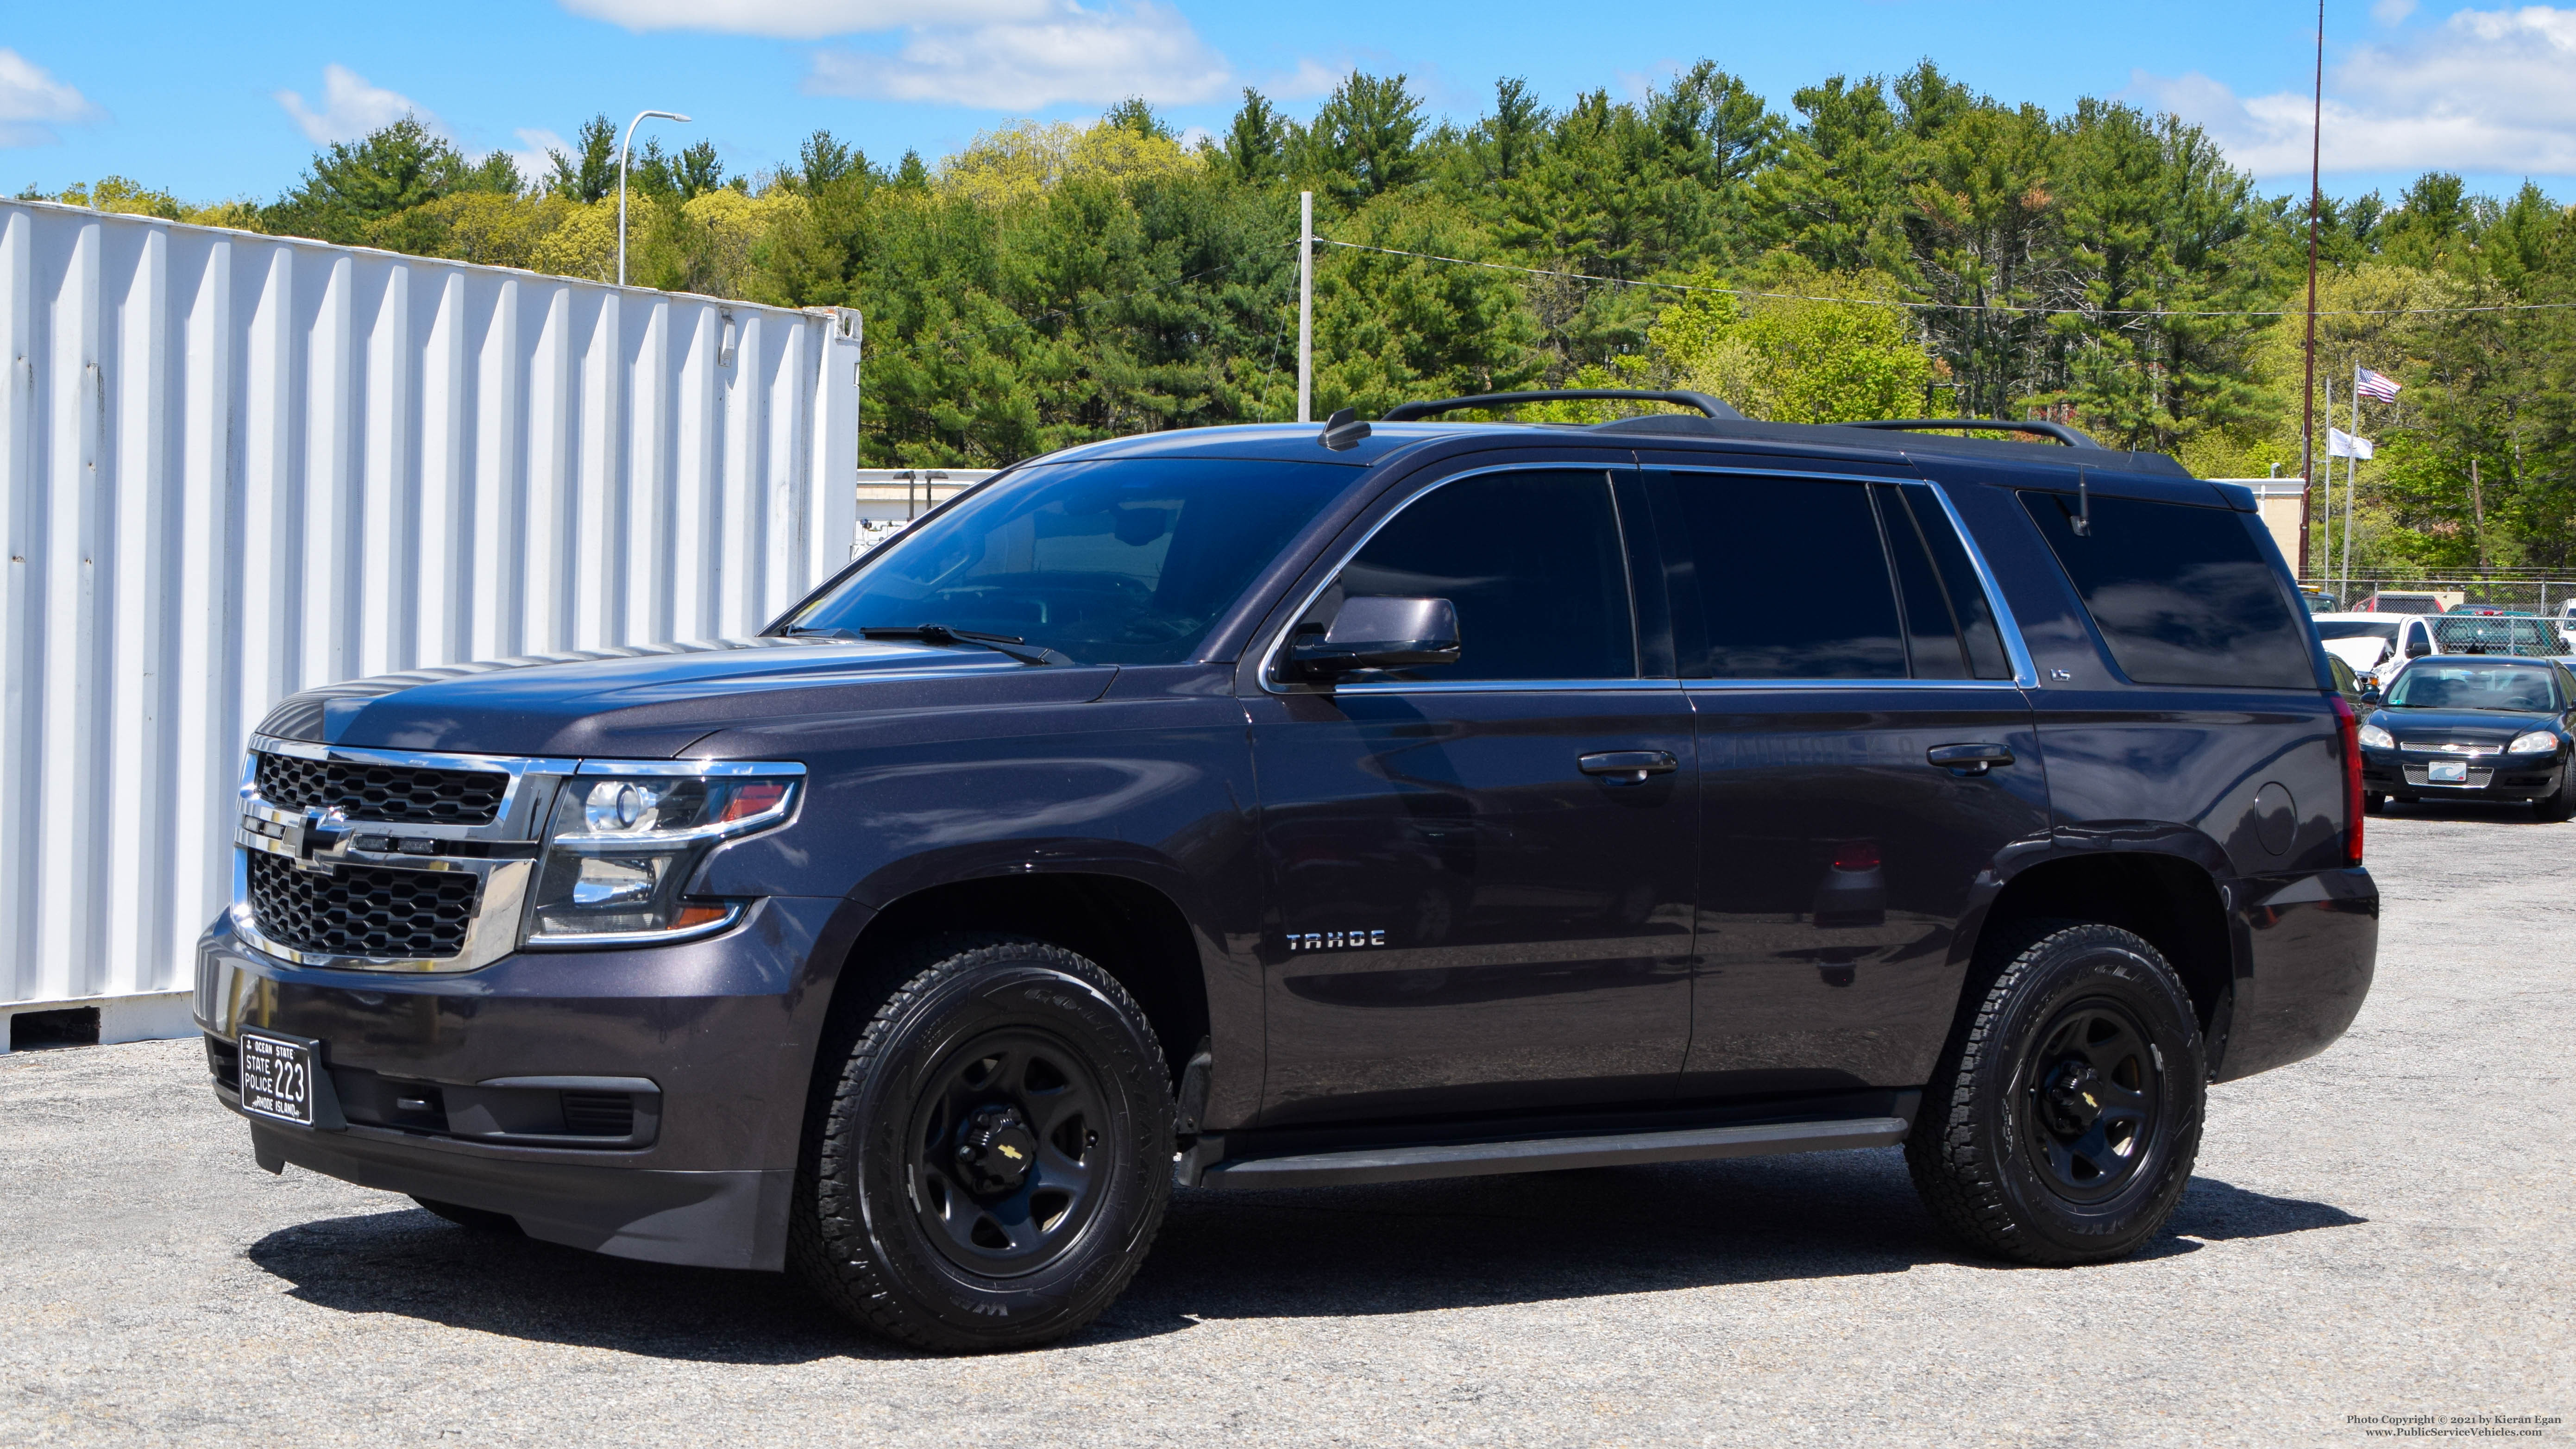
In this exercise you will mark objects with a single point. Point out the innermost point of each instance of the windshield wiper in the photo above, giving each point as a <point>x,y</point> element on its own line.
<point>1011,644</point>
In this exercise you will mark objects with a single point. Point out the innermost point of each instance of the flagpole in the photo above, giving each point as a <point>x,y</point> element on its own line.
<point>2351,476</point>
<point>2308,399</point>
<point>2326,502</point>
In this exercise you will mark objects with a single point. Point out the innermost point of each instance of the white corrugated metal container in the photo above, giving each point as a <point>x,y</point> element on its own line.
<point>237,466</point>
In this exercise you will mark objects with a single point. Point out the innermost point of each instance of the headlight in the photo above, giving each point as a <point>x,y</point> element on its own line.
<point>2375,738</point>
<point>622,846</point>
<point>2538,742</point>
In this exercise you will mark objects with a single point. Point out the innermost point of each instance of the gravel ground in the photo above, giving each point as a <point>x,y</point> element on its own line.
<point>2383,1230</point>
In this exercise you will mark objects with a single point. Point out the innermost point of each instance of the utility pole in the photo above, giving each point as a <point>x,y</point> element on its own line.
<point>2308,398</point>
<point>1306,305</point>
<point>621,178</point>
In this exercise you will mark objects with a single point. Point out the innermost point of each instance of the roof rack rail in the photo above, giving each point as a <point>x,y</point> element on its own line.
<point>1406,412</point>
<point>2060,431</point>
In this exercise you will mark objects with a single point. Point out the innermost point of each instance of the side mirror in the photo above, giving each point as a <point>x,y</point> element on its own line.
<point>1380,631</point>
<point>2370,695</point>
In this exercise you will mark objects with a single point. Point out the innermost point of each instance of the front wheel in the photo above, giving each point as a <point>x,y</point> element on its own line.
<point>994,1154</point>
<point>2559,804</point>
<point>2063,1120</point>
<point>2374,804</point>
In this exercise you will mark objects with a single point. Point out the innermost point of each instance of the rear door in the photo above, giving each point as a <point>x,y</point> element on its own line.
<point>1866,760</point>
<point>1475,911</point>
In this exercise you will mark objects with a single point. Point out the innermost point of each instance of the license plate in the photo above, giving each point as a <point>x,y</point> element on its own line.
<point>2446,772</point>
<point>277,1076</point>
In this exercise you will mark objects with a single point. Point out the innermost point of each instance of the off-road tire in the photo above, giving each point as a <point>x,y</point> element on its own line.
<point>857,1233</point>
<point>1972,1152</point>
<point>481,1220</point>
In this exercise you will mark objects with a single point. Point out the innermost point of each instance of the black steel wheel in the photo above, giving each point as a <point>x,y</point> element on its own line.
<point>1006,1150</point>
<point>2061,1124</point>
<point>990,1150</point>
<point>2090,1097</point>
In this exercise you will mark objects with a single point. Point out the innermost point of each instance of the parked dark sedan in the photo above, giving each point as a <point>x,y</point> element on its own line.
<point>2488,728</point>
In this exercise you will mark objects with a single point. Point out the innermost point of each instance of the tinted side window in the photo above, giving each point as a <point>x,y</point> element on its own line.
<point>2181,594</point>
<point>1531,560</point>
<point>1976,615</point>
<point>1931,629</point>
<point>1792,579</point>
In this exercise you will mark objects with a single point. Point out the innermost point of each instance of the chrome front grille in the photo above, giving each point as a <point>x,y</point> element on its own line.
<point>359,910</point>
<point>387,860</point>
<point>394,794</point>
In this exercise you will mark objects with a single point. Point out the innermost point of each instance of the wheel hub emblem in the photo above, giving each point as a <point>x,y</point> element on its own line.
<point>2074,1096</point>
<point>995,1149</point>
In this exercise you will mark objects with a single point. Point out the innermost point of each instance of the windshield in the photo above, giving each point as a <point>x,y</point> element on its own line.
<point>2356,629</point>
<point>1122,561</point>
<point>2425,685</point>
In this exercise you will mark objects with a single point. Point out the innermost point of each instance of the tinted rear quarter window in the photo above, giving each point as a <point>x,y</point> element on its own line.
<point>2181,594</point>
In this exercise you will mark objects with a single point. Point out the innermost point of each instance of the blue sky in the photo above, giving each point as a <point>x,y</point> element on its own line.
<point>219,100</point>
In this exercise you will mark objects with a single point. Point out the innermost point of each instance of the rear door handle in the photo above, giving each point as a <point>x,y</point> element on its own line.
<point>1969,759</point>
<point>1630,767</point>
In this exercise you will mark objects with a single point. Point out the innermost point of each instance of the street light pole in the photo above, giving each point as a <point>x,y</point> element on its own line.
<point>622,152</point>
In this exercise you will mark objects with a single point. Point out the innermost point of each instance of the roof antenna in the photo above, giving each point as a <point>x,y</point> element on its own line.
<point>2083,505</point>
<point>1343,430</point>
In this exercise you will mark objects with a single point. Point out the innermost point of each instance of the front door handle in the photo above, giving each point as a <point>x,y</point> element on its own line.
<point>1629,767</point>
<point>1969,759</point>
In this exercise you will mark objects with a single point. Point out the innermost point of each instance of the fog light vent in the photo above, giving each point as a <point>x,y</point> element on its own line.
<point>598,1114</point>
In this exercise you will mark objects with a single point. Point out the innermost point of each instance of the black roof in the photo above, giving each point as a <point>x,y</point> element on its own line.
<point>1302,442</point>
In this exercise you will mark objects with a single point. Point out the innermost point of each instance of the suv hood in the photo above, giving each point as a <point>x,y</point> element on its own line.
<point>653,701</point>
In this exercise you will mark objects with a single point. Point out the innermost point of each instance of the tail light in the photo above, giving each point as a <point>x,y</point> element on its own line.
<point>2348,731</point>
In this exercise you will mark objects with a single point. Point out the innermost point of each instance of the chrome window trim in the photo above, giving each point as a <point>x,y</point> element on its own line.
<point>1508,686</point>
<point>2016,652</point>
<point>1909,683</point>
<point>1271,683</point>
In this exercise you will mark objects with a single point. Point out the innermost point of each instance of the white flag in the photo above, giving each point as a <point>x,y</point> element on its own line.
<point>2340,444</point>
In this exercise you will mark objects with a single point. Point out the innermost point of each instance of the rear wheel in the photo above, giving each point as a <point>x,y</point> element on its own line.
<point>2063,1121</point>
<point>995,1153</point>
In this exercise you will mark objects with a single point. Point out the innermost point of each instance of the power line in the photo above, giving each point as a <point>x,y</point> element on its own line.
<point>1952,306</point>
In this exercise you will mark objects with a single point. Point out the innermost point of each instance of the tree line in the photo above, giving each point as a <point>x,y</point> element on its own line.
<point>1888,246</point>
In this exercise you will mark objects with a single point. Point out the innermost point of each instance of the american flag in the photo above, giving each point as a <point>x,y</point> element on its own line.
<point>2378,387</point>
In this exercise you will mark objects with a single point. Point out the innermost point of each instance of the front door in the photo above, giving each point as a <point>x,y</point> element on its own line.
<point>1866,760</point>
<point>1484,869</point>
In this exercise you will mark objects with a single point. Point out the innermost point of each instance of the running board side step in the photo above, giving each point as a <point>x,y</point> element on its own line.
<point>1549,1154</point>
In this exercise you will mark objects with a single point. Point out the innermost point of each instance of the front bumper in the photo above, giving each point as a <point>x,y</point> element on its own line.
<point>444,1085</point>
<point>2491,777</point>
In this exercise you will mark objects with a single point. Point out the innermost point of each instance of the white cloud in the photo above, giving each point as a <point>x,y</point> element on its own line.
<point>534,157</point>
<point>805,19</point>
<point>32,103</point>
<point>1067,54</point>
<point>1310,80</point>
<point>2486,91</point>
<point>2392,12</point>
<point>351,108</point>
